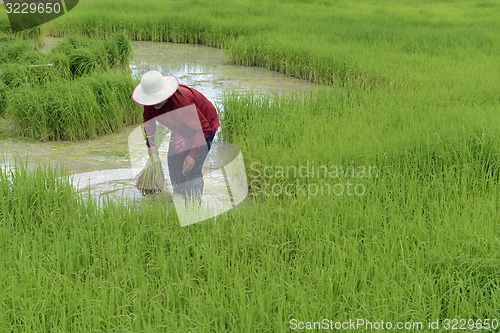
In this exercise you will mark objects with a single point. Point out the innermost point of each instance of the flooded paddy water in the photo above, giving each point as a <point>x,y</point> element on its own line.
<point>107,166</point>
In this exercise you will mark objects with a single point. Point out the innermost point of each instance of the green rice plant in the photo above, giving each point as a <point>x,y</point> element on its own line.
<point>17,75</point>
<point>32,57</point>
<point>28,196</point>
<point>12,49</point>
<point>133,263</point>
<point>73,110</point>
<point>415,97</point>
<point>84,56</point>
<point>14,75</point>
<point>5,25</point>
<point>61,64</point>
<point>87,55</point>
<point>112,51</point>
<point>15,51</point>
<point>72,42</point>
<point>44,73</point>
<point>34,36</point>
<point>83,62</point>
<point>112,93</point>
<point>124,47</point>
<point>30,66</point>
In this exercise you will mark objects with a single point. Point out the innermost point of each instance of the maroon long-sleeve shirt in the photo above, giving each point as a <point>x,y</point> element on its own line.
<point>186,133</point>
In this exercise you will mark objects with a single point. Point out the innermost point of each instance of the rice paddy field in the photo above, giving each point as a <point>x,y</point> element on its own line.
<point>373,198</point>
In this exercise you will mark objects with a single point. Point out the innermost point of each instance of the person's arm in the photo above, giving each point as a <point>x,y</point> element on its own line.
<point>200,139</point>
<point>149,124</point>
<point>197,126</point>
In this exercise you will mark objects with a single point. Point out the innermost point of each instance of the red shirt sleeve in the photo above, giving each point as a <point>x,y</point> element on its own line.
<point>149,126</point>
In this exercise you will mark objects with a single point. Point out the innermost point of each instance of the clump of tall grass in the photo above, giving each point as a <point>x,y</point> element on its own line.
<point>112,93</point>
<point>28,197</point>
<point>23,64</point>
<point>16,75</point>
<point>73,110</point>
<point>84,56</point>
<point>12,49</point>
<point>32,57</point>
<point>83,62</point>
<point>60,63</point>
<point>87,55</point>
<point>35,35</point>
<point>118,49</point>
<point>47,93</point>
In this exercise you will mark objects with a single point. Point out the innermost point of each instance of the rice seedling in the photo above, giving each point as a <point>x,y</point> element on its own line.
<point>14,75</point>
<point>74,110</point>
<point>60,64</point>
<point>128,261</point>
<point>415,99</point>
<point>32,57</point>
<point>151,179</point>
<point>84,57</point>
<point>124,48</point>
<point>35,36</point>
<point>38,75</point>
<point>83,62</point>
<point>12,49</point>
<point>87,55</point>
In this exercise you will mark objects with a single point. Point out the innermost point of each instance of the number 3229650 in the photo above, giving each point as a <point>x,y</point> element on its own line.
<point>470,324</point>
<point>32,8</point>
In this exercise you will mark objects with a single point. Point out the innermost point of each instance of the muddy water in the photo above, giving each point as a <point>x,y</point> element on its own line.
<point>103,166</point>
<point>205,69</point>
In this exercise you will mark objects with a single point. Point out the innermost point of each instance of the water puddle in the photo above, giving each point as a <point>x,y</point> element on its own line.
<point>103,166</point>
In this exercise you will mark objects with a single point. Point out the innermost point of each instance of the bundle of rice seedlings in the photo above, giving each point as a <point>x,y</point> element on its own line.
<point>151,180</point>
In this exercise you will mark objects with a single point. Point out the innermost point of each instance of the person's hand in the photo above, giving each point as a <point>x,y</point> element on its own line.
<point>188,164</point>
<point>152,151</point>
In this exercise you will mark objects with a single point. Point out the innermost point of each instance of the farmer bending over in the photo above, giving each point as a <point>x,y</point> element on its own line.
<point>193,121</point>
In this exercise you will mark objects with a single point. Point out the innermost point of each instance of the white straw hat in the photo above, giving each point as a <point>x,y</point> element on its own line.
<point>154,88</point>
